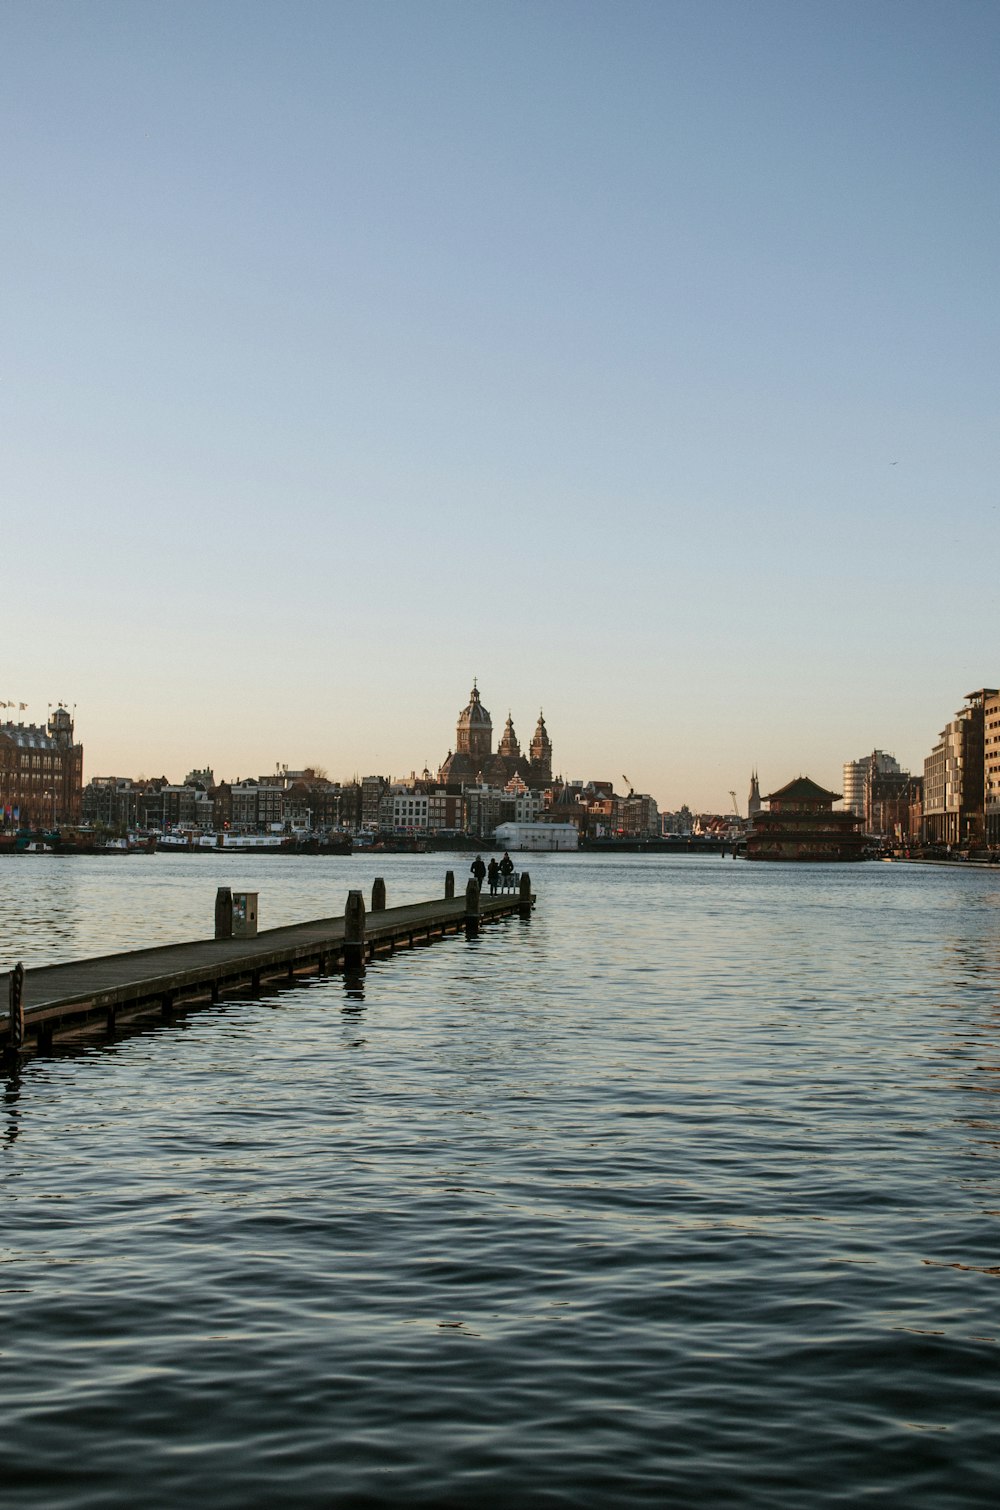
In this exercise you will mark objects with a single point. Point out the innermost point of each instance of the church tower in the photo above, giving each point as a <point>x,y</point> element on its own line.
<point>540,754</point>
<point>508,745</point>
<point>474,734</point>
<point>754,802</point>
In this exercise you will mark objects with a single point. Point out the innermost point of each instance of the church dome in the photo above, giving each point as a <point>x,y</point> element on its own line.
<point>474,734</point>
<point>474,713</point>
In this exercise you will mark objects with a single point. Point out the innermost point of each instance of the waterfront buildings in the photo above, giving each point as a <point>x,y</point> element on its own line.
<point>41,773</point>
<point>110,801</point>
<point>373,789</point>
<point>893,805</point>
<point>476,788</point>
<point>854,786</point>
<point>991,765</point>
<point>954,776</point>
<point>800,824</point>
<point>186,806</point>
<point>879,792</point>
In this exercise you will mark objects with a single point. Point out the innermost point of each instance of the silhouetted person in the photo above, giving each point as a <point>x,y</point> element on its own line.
<point>493,871</point>
<point>506,865</point>
<point>478,869</point>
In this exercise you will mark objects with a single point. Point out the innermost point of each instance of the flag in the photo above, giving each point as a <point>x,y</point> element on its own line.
<point>21,707</point>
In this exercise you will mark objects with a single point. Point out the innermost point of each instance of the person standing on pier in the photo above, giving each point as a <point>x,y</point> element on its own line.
<point>493,872</point>
<point>478,869</point>
<point>506,865</point>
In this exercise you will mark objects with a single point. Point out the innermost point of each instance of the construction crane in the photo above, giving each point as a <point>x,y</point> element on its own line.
<point>627,783</point>
<point>736,806</point>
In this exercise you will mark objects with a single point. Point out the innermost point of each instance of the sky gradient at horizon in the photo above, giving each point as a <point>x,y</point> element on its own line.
<point>640,360</point>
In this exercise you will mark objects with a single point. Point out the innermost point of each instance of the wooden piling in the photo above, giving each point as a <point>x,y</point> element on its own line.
<point>15,1033</point>
<point>378,895</point>
<point>354,932</point>
<point>472,907</point>
<point>449,885</point>
<point>524,896</point>
<point>224,913</point>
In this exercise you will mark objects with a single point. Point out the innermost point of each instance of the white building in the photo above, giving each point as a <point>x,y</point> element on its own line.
<point>409,810</point>
<point>856,775</point>
<point>538,836</point>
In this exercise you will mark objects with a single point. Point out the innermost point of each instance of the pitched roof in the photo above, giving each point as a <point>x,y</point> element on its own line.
<point>802,789</point>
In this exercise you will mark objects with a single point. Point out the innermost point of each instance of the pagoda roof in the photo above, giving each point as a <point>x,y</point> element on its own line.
<point>802,789</point>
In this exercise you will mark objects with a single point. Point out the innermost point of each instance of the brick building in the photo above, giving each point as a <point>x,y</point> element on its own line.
<point>41,773</point>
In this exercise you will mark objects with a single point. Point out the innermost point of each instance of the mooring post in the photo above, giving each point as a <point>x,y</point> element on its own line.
<point>472,908</point>
<point>449,885</point>
<point>224,913</point>
<point>354,932</point>
<point>378,895</point>
<point>15,1036</point>
<point>524,896</point>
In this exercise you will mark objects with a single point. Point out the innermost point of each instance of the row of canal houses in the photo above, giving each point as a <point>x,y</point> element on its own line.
<point>308,802</point>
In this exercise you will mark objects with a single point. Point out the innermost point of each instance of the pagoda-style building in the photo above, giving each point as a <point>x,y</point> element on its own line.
<point>801,825</point>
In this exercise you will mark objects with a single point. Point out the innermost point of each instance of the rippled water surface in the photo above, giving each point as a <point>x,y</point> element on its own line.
<point>684,1193</point>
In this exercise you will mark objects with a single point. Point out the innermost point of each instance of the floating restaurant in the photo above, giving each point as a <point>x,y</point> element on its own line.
<point>801,825</point>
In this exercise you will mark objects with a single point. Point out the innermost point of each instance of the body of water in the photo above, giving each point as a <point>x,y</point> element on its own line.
<point>687,1192</point>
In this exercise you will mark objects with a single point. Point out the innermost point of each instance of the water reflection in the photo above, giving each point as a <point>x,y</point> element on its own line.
<point>354,985</point>
<point>11,1097</point>
<point>646,1187</point>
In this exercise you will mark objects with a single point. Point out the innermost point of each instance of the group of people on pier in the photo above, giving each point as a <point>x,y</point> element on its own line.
<point>492,872</point>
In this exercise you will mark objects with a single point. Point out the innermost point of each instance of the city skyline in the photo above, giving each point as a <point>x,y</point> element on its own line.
<point>482,763</point>
<point>637,360</point>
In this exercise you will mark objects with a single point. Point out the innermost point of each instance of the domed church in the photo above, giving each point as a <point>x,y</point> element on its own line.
<point>473,760</point>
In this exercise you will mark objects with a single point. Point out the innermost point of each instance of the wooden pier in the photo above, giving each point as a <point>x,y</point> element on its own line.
<point>81,997</point>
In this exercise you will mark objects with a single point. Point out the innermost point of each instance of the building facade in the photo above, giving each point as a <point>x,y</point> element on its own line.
<point>854,786</point>
<point>991,766</point>
<point>41,773</point>
<point>256,807</point>
<point>954,799</point>
<point>110,802</point>
<point>877,790</point>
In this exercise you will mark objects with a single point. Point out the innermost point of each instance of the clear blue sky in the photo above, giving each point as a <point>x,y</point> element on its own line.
<point>639,359</point>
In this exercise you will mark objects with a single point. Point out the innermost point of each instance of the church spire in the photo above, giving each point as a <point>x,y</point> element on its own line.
<point>540,752</point>
<point>508,745</point>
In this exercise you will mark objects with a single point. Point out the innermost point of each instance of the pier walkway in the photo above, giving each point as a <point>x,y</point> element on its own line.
<point>79,995</point>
